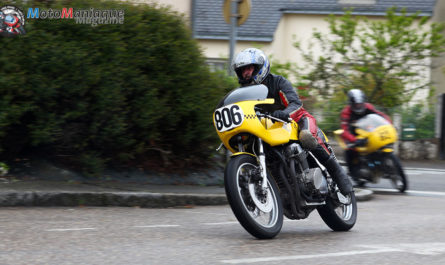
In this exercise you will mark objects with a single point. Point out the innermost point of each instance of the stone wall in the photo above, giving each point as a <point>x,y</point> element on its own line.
<point>425,149</point>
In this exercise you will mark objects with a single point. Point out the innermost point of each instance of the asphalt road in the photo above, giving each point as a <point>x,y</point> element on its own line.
<point>392,228</point>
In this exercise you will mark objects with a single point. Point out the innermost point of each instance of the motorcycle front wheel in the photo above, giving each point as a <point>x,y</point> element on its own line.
<point>259,211</point>
<point>337,215</point>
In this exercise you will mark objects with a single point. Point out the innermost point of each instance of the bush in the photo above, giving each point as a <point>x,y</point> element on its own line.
<point>423,119</point>
<point>109,94</point>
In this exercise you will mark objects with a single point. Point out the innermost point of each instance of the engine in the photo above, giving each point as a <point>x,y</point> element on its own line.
<point>311,180</point>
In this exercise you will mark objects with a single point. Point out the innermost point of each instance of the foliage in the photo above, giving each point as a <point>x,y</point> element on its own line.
<point>423,119</point>
<point>385,58</point>
<point>95,96</point>
<point>292,72</point>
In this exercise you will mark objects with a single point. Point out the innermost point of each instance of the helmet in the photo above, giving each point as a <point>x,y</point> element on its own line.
<point>356,99</point>
<point>255,57</point>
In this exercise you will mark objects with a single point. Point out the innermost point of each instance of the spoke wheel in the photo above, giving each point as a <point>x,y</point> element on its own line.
<point>259,211</point>
<point>339,212</point>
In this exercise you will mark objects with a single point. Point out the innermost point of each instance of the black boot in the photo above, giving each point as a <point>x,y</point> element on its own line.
<point>338,174</point>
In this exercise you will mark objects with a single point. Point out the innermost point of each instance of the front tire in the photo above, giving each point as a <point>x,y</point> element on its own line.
<point>261,214</point>
<point>337,215</point>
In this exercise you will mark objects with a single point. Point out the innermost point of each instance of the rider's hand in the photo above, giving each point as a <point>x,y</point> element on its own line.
<point>279,114</point>
<point>361,142</point>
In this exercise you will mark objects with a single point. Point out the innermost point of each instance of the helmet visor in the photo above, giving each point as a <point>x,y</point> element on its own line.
<point>358,107</point>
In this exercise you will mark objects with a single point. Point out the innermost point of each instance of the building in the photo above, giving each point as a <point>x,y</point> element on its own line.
<point>438,78</point>
<point>274,25</point>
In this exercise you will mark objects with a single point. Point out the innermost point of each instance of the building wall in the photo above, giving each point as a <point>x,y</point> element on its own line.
<point>181,6</point>
<point>438,67</point>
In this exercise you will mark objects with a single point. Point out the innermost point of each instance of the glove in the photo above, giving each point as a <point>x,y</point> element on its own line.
<point>361,142</point>
<point>279,114</point>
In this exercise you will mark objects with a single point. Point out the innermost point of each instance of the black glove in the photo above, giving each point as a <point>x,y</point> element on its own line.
<point>361,142</point>
<point>279,114</point>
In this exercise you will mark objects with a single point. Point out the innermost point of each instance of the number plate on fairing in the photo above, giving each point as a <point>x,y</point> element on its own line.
<point>228,117</point>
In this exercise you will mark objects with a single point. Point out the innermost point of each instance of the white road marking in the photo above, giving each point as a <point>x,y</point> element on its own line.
<point>155,226</point>
<point>421,172</point>
<point>195,212</point>
<point>435,248</point>
<point>424,169</point>
<point>69,229</point>
<point>222,223</point>
<point>412,192</point>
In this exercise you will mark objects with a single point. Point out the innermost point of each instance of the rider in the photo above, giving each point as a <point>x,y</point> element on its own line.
<point>356,109</point>
<point>252,67</point>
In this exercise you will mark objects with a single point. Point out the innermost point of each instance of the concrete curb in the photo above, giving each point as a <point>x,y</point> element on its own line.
<point>126,199</point>
<point>362,195</point>
<point>123,199</point>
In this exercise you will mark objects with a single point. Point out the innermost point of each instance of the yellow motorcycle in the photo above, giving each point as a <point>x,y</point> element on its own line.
<point>269,174</point>
<point>376,159</point>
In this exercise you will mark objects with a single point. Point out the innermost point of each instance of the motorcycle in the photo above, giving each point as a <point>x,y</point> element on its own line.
<point>376,159</point>
<point>269,174</point>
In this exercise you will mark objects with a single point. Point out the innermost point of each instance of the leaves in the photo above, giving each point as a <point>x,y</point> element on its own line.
<point>105,95</point>
<point>387,58</point>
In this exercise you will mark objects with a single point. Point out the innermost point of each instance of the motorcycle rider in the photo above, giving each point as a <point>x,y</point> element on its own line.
<point>252,67</point>
<point>356,109</point>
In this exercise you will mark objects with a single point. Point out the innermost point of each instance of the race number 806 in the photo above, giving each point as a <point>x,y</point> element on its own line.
<point>228,117</point>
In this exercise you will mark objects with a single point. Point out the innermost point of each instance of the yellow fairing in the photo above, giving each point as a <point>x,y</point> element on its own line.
<point>272,133</point>
<point>380,137</point>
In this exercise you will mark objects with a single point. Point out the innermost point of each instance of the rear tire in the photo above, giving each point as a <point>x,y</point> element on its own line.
<point>397,175</point>
<point>261,215</point>
<point>339,216</point>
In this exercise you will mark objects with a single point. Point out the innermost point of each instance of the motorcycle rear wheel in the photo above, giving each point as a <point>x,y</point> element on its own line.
<point>260,214</point>
<point>397,175</point>
<point>339,216</point>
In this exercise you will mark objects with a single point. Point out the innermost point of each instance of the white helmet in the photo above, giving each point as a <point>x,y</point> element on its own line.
<point>255,57</point>
<point>357,99</point>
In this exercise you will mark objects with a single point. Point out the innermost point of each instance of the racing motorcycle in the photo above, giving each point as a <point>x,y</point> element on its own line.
<point>269,174</point>
<point>376,158</point>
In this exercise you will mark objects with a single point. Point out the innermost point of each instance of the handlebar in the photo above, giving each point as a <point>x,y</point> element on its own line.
<point>268,115</point>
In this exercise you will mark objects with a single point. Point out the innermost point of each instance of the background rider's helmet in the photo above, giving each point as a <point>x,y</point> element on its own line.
<point>357,99</point>
<point>255,57</point>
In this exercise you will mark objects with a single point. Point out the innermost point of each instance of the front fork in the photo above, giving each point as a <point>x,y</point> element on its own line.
<point>262,158</point>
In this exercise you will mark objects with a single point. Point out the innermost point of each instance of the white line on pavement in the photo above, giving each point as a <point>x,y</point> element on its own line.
<point>154,226</point>
<point>424,169</point>
<point>412,192</point>
<point>221,223</point>
<point>417,172</point>
<point>429,248</point>
<point>68,229</point>
<point>338,254</point>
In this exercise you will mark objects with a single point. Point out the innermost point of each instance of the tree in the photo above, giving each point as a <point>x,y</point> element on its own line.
<point>388,58</point>
<point>93,97</point>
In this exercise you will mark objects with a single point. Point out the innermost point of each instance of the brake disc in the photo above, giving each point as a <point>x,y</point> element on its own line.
<point>265,207</point>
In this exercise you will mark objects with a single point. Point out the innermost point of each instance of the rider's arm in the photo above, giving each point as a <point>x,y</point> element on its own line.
<point>289,98</point>
<point>345,117</point>
<point>372,109</point>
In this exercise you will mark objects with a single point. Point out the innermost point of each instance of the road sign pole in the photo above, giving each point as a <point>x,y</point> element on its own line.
<point>233,32</point>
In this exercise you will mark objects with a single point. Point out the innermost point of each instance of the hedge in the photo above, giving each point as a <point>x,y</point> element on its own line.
<point>96,96</point>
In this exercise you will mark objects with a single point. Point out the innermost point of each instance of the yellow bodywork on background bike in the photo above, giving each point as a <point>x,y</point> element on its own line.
<point>379,139</point>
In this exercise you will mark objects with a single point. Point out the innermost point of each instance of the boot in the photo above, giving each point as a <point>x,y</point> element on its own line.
<point>338,174</point>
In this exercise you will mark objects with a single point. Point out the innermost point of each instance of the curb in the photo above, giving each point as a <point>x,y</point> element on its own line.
<point>123,199</point>
<point>362,195</point>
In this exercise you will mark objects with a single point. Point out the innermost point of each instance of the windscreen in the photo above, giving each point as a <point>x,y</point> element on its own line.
<point>257,92</point>
<point>370,122</point>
